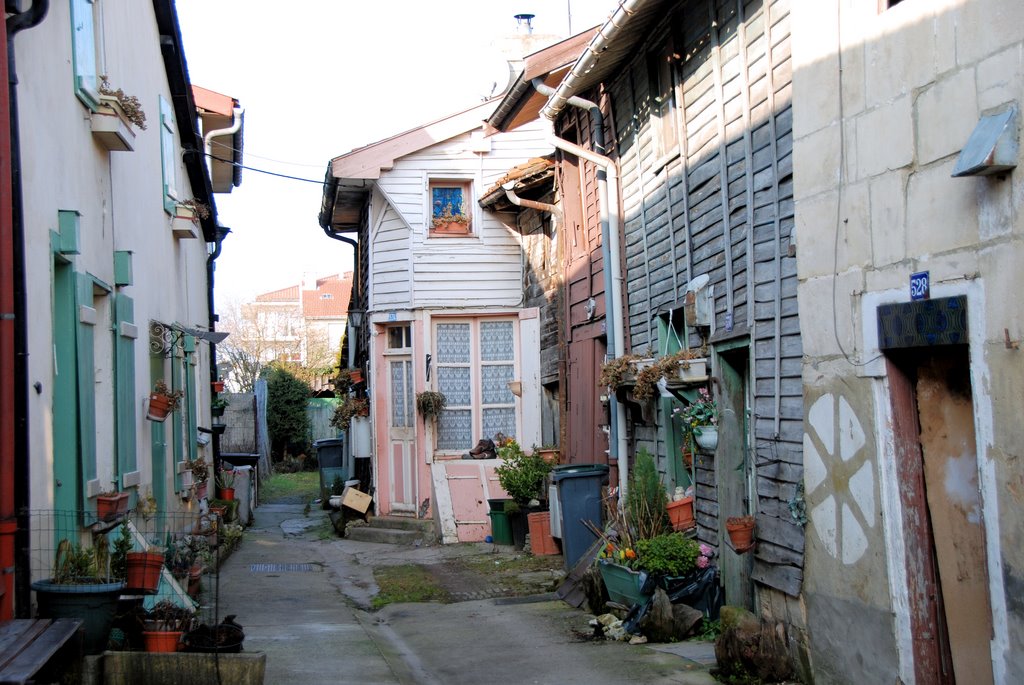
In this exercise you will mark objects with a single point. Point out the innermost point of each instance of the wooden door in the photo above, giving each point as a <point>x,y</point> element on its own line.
<point>947,564</point>
<point>734,473</point>
<point>401,435</point>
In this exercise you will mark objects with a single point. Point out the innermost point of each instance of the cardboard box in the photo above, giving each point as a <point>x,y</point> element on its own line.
<point>354,499</point>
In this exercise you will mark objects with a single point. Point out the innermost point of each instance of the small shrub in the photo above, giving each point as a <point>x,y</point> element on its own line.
<point>670,554</point>
<point>646,501</point>
<point>521,475</point>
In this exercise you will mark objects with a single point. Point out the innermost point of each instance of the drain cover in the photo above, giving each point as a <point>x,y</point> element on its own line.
<point>279,568</point>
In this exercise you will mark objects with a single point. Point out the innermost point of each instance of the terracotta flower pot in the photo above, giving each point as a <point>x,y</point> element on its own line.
<point>680,512</point>
<point>741,533</point>
<point>161,640</point>
<point>109,507</point>
<point>217,386</point>
<point>541,541</point>
<point>144,572</point>
<point>158,408</point>
<point>226,494</point>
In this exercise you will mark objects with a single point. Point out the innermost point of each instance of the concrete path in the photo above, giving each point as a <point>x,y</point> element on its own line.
<point>302,595</point>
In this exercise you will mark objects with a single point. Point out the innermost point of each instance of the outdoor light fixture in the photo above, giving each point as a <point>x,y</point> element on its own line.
<point>355,317</point>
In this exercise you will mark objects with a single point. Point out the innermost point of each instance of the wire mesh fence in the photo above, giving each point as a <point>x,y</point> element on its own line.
<point>130,574</point>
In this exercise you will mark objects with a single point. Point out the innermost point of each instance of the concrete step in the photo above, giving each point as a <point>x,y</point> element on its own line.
<point>393,536</point>
<point>425,526</point>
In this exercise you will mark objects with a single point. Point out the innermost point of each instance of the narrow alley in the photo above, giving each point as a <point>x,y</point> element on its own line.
<point>303,598</point>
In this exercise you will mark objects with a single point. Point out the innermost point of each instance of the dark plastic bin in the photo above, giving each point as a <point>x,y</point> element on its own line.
<point>330,454</point>
<point>501,530</point>
<point>579,497</point>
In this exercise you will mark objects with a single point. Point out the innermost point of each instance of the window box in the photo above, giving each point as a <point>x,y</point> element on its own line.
<point>185,222</point>
<point>110,126</point>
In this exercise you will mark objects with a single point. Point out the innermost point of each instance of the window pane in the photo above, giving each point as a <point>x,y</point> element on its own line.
<point>500,421</point>
<point>408,394</point>
<point>454,429</point>
<point>447,203</point>
<point>398,409</point>
<point>453,382</point>
<point>496,341</point>
<point>494,381</point>
<point>453,343</point>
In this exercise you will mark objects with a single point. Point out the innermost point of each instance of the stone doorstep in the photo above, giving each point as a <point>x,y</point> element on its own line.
<point>130,668</point>
<point>393,536</point>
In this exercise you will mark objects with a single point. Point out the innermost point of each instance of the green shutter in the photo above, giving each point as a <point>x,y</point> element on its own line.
<point>125,333</point>
<point>158,441</point>
<point>168,157</point>
<point>177,453</point>
<point>86,377</point>
<point>189,405</point>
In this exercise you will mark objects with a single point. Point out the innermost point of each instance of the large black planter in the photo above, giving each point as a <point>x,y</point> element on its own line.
<point>94,603</point>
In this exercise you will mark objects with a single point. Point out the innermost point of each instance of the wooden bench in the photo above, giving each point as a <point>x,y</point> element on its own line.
<point>28,645</point>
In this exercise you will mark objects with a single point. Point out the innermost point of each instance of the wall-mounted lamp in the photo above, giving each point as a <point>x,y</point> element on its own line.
<point>355,317</point>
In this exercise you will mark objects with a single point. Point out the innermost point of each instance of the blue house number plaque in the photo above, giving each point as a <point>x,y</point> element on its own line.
<point>920,286</point>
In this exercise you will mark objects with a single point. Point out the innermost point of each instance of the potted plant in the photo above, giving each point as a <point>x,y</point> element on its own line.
<point>82,587</point>
<point>164,625</point>
<point>680,510</point>
<point>549,453</point>
<point>430,404</point>
<point>162,401</point>
<point>523,476</point>
<point>700,421</point>
<point>129,105</point>
<point>110,504</point>
<point>225,484</point>
<point>449,219</point>
<point>218,405</point>
<point>349,408</point>
<point>200,470</point>
<point>139,570</point>
<point>741,533</point>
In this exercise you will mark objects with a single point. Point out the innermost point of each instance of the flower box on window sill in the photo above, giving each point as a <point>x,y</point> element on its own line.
<point>110,126</point>
<point>450,228</point>
<point>185,223</point>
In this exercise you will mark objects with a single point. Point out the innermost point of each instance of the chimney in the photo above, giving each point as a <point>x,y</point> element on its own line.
<point>524,23</point>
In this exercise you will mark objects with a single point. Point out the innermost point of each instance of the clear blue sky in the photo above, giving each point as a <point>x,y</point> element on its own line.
<point>318,78</point>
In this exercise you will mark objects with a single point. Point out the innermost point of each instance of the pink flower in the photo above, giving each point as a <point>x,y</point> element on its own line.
<point>705,550</point>
<point>702,561</point>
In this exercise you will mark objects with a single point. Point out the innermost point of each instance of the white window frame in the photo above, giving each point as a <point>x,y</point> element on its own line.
<point>87,50</point>
<point>470,204</point>
<point>475,365</point>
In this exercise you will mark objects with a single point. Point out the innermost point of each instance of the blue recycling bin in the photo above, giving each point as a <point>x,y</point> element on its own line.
<point>579,497</point>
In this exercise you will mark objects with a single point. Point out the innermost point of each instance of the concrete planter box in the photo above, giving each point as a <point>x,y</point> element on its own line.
<point>128,668</point>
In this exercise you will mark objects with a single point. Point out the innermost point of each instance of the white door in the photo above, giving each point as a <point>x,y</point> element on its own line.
<point>401,434</point>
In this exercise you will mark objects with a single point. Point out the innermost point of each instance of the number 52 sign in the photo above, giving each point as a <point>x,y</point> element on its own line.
<point>920,286</point>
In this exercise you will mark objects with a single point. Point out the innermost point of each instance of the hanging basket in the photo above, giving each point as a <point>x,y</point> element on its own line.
<point>158,408</point>
<point>741,533</point>
<point>707,439</point>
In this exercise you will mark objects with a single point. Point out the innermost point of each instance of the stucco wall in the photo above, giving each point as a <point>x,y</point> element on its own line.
<point>877,131</point>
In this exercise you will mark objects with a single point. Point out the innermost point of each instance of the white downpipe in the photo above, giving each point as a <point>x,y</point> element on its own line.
<point>236,123</point>
<point>608,199</point>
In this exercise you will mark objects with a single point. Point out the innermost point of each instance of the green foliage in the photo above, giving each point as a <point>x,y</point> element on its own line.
<point>709,630</point>
<point>670,554</point>
<point>406,583</point>
<point>349,407</point>
<point>646,501</point>
<point>74,564</point>
<point>287,421</point>
<point>521,475</point>
<point>119,555</point>
<point>302,486</point>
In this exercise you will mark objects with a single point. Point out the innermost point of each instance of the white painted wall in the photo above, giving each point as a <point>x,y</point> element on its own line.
<point>119,197</point>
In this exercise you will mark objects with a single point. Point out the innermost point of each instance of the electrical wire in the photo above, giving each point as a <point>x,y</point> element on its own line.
<point>839,200</point>
<point>247,153</point>
<point>319,182</point>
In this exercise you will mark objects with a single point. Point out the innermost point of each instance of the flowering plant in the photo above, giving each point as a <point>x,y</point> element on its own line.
<point>669,554</point>
<point>706,553</point>
<point>697,414</point>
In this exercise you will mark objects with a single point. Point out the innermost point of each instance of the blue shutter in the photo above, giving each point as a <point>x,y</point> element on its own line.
<point>189,403</point>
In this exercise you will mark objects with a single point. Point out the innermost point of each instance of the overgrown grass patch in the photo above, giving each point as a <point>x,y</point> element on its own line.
<point>304,484</point>
<point>406,583</point>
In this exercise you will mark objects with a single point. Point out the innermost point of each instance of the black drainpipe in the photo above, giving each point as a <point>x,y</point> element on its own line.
<point>22,568</point>
<point>222,233</point>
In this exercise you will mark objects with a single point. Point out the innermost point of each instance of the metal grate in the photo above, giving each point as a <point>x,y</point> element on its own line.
<point>279,568</point>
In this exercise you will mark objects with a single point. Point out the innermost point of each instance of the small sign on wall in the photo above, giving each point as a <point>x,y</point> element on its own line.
<point>920,286</point>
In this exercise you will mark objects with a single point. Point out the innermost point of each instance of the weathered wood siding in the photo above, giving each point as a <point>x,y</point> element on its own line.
<point>720,203</point>
<point>485,269</point>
